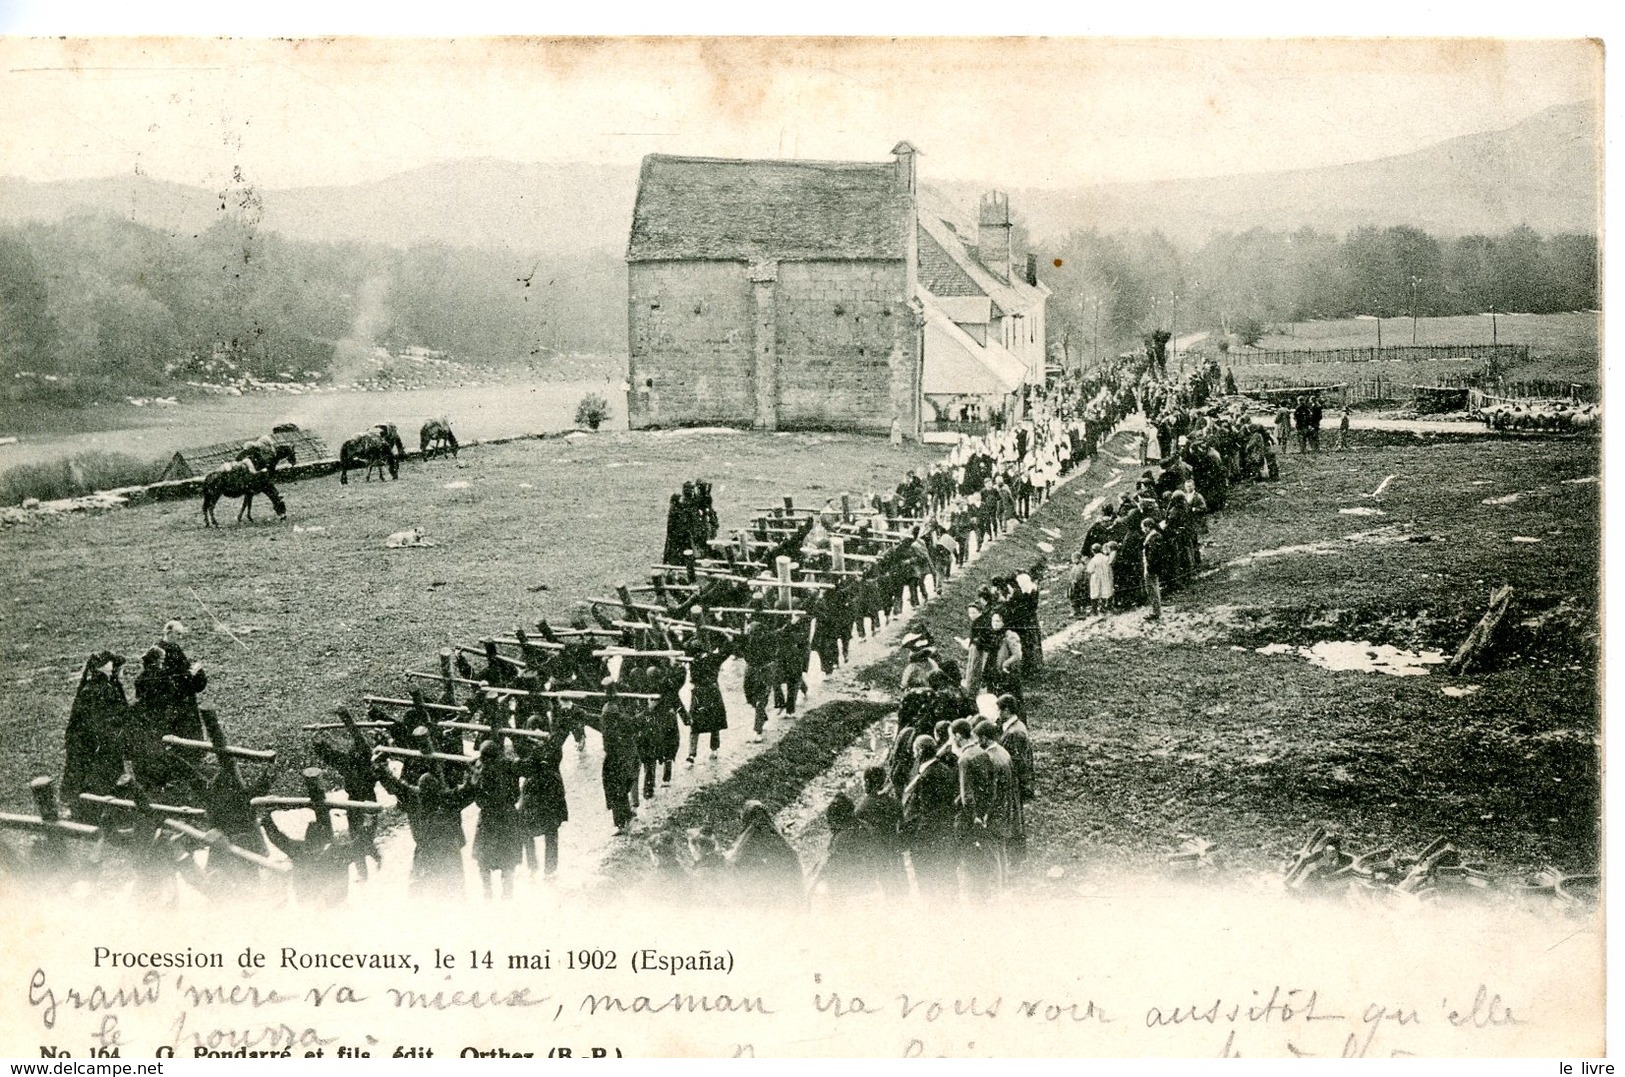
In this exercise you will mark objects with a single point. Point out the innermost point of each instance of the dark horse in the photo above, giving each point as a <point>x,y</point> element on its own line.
<point>244,478</point>
<point>378,447</point>
<point>436,437</point>
<point>265,454</point>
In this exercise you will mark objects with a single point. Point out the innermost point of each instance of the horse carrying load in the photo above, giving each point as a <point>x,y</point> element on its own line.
<point>379,446</point>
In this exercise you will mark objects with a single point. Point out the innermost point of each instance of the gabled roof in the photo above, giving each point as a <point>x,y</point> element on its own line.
<point>941,274</point>
<point>186,463</point>
<point>957,365</point>
<point>727,210</point>
<point>947,232</point>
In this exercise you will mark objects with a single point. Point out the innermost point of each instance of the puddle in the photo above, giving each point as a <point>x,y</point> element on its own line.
<point>460,484</point>
<point>1505,499</point>
<point>1524,538</point>
<point>316,529</point>
<point>1175,626</point>
<point>1361,510</point>
<point>1046,547</point>
<point>1362,656</point>
<point>1482,482</point>
<point>1458,691</point>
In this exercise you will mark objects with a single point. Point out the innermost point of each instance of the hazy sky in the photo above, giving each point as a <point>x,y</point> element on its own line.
<point>1016,112</point>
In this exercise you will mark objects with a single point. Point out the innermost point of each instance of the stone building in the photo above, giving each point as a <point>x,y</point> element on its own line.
<point>819,295</point>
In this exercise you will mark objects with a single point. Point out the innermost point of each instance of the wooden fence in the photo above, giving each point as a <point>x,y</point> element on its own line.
<point>1381,389</point>
<point>1390,353</point>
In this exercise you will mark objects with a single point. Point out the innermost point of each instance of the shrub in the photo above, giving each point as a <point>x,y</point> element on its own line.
<point>592,411</point>
<point>75,476</point>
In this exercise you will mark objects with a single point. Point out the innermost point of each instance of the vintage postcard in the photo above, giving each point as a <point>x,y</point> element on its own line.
<point>801,547</point>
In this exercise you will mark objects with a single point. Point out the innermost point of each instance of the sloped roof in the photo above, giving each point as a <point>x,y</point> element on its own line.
<point>956,365</point>
<point>941,274</point>
<point>186,463</point>
<point>728,210</point>
<point>947,230</point>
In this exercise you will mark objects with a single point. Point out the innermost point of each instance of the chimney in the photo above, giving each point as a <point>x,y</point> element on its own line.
<point>1032,270</point>
<point>993,234</point>
<point>905,154</point>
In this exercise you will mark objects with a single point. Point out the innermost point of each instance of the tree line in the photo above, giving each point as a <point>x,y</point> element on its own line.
<point>1110,290</point>
<point>95,306</point>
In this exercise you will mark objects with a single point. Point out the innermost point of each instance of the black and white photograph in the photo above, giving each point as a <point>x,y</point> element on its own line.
<point>698,546</point>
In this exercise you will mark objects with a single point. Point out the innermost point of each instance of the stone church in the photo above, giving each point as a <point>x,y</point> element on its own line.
<point>827,295</point>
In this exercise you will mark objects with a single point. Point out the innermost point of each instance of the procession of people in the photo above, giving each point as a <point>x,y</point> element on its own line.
<point>943,807</point>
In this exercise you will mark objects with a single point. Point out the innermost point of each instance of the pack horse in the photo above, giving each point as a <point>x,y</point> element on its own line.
<point>436,438</point>
<point>378,447</point>
<point>251,474</point>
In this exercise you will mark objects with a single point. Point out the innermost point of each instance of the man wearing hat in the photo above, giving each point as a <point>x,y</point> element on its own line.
<point>922,662</point>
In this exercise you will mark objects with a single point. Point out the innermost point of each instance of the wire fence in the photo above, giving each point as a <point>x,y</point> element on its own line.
<point>1392,353</point>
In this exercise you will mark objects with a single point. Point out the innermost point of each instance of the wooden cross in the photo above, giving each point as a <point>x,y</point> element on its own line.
<point>490,655</point>
<point>262,755</point>
<point>318,798</point>
<point>183,810</point>
<point>49,823</point>
<point>215,840</point>
<point>386,701</point>
<point>415,753</point>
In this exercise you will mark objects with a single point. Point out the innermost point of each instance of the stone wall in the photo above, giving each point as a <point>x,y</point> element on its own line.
<point>775,345</point>
<point>690,334</point>
<point>846,342</point>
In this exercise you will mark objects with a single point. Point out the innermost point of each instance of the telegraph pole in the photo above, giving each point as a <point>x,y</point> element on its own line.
<point>1414,282</point>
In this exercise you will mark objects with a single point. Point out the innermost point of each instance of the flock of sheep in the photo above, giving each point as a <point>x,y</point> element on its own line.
<point>1563,416</point>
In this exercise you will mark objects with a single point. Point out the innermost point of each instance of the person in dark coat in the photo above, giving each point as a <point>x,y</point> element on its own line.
<point>928,821</point>
<point>543,806</point>
<point>759,650</point>
<point>708,713</point>
<point>677,532</point>
<point>149,723</point>
<point>880,812</point>
<point>96,736</point>
<point>848,869</point>
<point>186,680</point>
<point>668,715</point>
<point>434,811</point>
<point>619,727</point>
<point>498,836</point>
<point>764,865</point>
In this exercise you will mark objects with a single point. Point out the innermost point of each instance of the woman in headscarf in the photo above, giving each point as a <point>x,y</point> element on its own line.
<point>96,733</point>
<point>677,531</point>
<point>765,867</point>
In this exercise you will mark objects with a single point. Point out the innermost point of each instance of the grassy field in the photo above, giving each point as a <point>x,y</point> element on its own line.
<point>325,613</point>
<point>1562,347</point>
<point>1147,735</point>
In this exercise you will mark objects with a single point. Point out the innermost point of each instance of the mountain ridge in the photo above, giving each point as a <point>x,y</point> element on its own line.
<point>1542,171</point>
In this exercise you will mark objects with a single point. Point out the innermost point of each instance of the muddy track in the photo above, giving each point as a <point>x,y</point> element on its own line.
<point>819,738</point>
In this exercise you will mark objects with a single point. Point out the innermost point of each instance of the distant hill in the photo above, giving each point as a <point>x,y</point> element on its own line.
<point>1543,171</point>
<point>478,202</point>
